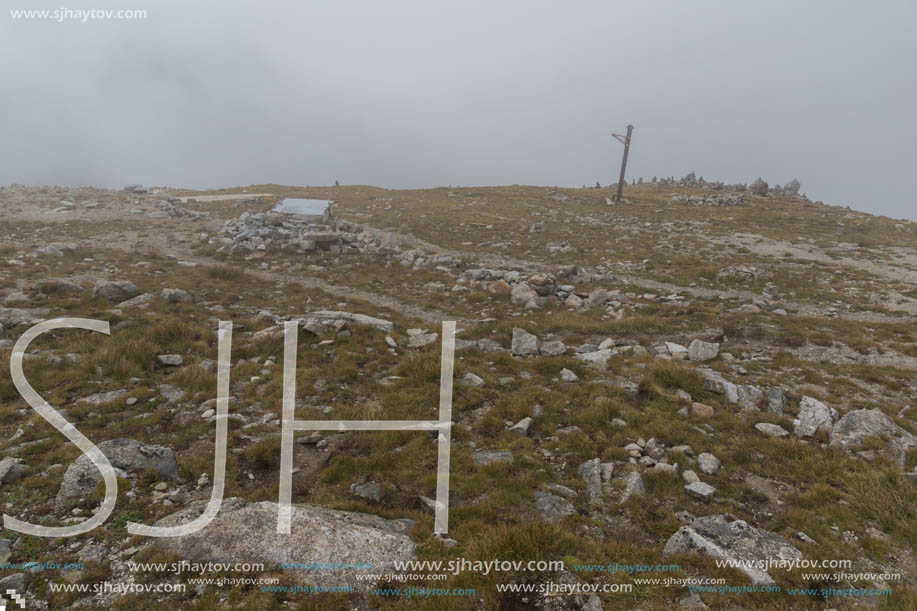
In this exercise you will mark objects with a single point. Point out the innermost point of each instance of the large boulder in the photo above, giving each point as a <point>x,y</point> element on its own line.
<point>12,469</point>
<point>57,249</point>
<point>243,531</point>
<point>733,541</point>
<point>11,317</point>
<point>117,290</point>
<point>126,456</point>
<point>813,417</point>
<point>856,426</point>
<point>56,286</point>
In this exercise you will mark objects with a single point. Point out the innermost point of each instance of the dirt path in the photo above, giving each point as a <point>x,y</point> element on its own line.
<point>174,237</point>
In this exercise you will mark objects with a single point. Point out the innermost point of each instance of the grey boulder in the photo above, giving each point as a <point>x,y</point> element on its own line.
<point>126,455</point>
<point>12,469</point>
<point>553,507</point>
<point>524,343</point>
<point>700,490</point>
<point>772,430</point>
<point>58,249</point>
<point>52,286</point>
<point>117,291</point>
<point>814,416</point>
<point>700,350</point>
<point>853,429</point>
<point>708,463</point>
<point>490,457</point>
<point>736,541</point>
<point>591,473</point>
<point>247,532</point>
<point>176,296</point>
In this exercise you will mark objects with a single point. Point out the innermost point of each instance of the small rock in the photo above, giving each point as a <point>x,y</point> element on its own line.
<point>522,427</point>
<point>490,457</point>
<point>169,360</point>
<point>633,485</point>
<point>94,553</point>
<point>814,416</point>
<point>171,392</point>
<point>776,400</point>
<point>676,349</point>
<point>700,490</point>
<point>692,601</point>
<point>700,350</point>
<point>568,376</point>
<point>470,379</point>
<point>772,430</point>
<point>591,473</point>
<point>419,340</point>
<point>708,463</point>
<point>370,491</point>
<point>176,296</point>
<point>553,507</point>
<point>554,348</point>
<point>524,343</point>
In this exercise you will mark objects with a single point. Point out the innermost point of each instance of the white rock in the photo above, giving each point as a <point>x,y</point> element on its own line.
<point>708,463</point>
<point>700,490</point>
<point>703,351</point>
<point>470,379</point>
<point>813,416</point>
<point>772,430</point>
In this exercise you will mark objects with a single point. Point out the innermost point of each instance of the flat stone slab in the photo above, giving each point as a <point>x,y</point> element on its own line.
<point>247,532</point>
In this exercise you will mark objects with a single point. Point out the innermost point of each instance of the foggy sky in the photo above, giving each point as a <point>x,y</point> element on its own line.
<point>420,94</point>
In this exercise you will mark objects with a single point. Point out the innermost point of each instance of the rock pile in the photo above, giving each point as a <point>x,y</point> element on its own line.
<point>261,231</point>
<point>759,187</point>
<point>708,200</point>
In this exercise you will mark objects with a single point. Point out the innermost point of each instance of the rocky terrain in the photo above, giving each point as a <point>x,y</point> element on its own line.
<point>703,371</point>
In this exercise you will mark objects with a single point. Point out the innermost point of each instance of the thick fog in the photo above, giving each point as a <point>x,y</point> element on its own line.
<point>421,94</point>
